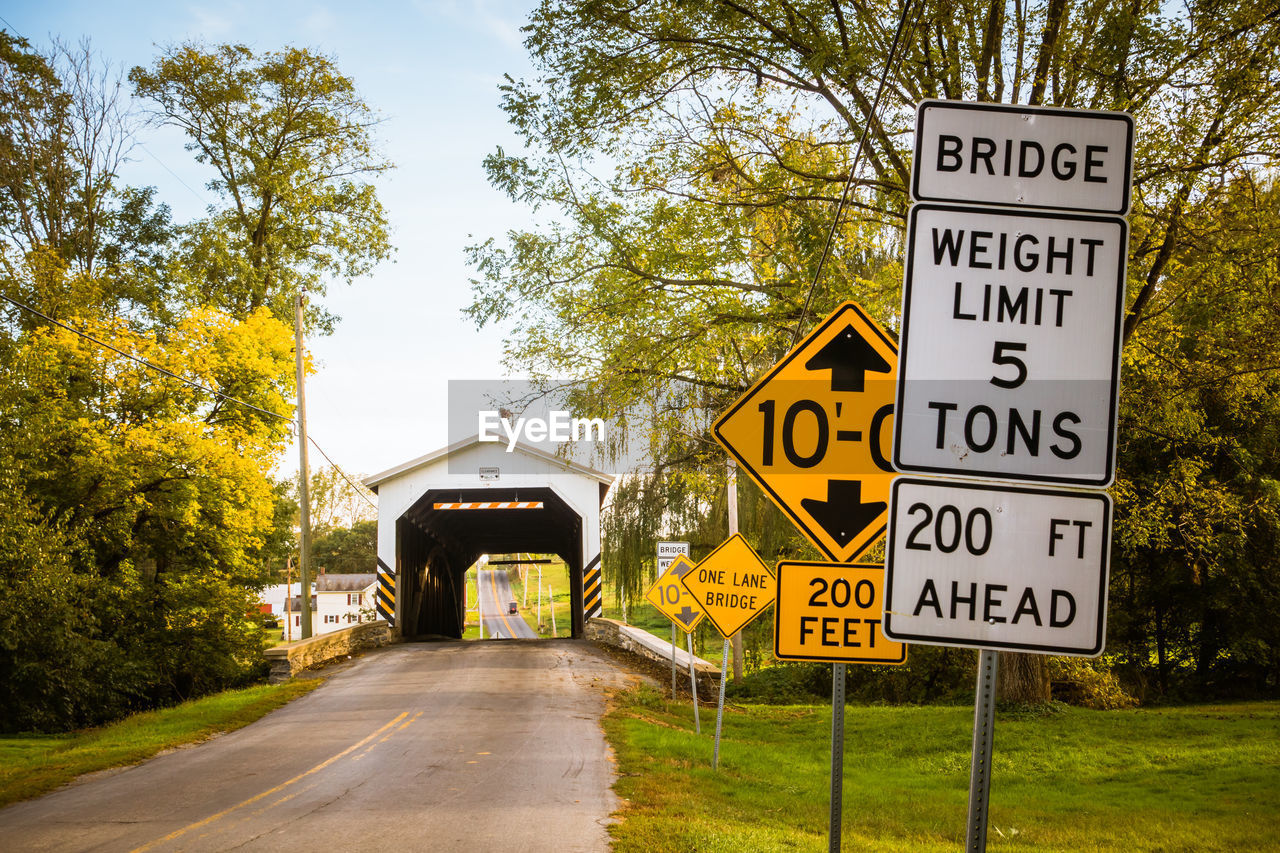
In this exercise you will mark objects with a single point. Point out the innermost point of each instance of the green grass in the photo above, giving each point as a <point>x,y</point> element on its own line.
<point>31,765</point>
<point>555,576</point>
<point>1202,778</point>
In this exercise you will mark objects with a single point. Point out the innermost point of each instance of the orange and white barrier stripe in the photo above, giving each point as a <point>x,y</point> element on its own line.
<point>491,505</point>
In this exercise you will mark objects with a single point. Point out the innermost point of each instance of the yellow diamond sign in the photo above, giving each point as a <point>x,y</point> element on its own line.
<point>731,585</point>
<point>816,432</point>
<point>673,600</point>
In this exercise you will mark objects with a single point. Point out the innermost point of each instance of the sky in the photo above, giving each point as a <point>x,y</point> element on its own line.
<point>432,70</point>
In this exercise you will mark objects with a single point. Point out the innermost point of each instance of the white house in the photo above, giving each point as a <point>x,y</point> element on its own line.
<point>337,601</point>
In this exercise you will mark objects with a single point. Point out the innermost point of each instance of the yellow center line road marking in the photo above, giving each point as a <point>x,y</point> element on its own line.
<point>322,765</point>
<point>493,581</point>
<point>386,737</point>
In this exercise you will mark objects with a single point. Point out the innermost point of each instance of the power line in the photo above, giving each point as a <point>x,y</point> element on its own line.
<point>177,177</point>
<point>844,195</point>
<point>341,474</point>
<point>143,361</point>
<point>152,366</point>
<point>12,29</point>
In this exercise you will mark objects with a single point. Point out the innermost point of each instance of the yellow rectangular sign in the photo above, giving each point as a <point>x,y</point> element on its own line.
<point>731,585</point>
<point>672,599</point>
<point>832,612</point>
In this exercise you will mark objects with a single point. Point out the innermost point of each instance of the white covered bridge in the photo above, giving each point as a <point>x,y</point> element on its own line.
<point>439,513</point>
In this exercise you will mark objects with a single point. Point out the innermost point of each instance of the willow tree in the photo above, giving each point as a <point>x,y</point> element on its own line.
<point>689,156</point>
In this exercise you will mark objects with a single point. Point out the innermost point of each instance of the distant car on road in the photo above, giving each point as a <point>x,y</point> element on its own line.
<point>511,608</point>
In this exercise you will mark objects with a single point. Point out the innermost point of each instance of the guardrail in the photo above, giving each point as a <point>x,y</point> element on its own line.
<point>639,642</point>
<point>290,659</point>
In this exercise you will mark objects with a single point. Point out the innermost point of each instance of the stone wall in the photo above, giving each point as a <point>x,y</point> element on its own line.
<point>610,632</point>
<point>290,659</point>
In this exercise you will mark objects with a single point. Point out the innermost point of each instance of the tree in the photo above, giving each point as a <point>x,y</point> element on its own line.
<point>142,423</point>
<point>347,550</point>
<point>692,154</point>
<point>290,143</point>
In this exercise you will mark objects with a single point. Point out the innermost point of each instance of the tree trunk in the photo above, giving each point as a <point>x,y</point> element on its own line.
<point>1023,678</point>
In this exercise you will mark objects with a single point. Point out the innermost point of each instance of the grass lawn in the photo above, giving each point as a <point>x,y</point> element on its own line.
<point>31,765</point>
<point>1199,778</point>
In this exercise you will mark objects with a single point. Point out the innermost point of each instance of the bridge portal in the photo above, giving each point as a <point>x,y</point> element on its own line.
<point>439,513</point>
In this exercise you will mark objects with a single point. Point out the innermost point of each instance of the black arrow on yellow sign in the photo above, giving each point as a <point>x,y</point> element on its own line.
<point>843,514</point>
<point>849,358</point>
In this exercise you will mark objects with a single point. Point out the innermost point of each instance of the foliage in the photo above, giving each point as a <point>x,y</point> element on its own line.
<point>138,513</point>
<point>1088,684</point>
<point>290,143</point>
<point>347,549</point>
<point>1196,580</point>
<point>686,158</point>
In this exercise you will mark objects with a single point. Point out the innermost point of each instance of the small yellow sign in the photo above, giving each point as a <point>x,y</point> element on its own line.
<point>832,612</point>
<point>673,600</point>
<point>731,585</point>
<point>816,432</point>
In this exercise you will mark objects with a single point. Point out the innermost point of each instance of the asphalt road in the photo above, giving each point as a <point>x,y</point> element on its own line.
<point>442,747</point>
<point>495,596</point>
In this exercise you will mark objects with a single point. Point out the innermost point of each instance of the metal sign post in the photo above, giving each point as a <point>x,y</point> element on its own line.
<point>984,724</point>
<point>693,686</point>
<point>673,660</point>
<point>724,672</point>
<point>837,756</point>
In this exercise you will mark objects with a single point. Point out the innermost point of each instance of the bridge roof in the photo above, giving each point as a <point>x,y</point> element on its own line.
<point>568,465</point>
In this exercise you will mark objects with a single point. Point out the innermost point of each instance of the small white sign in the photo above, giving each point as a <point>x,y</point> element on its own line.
<point>997,567</point>
<point>488,473</point>
<point>1009,354</point>
<point>1023,156</point>
<point>667,552</point>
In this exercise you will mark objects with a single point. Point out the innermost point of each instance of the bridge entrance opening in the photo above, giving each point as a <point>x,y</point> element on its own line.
<point>448,530</point>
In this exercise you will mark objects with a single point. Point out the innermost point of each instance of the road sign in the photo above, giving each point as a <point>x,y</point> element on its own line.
<point>1010,346</point>
<point>672,599</point>
<point>667,553</point>
<point>997,567</point>
<point>814,432</point>
<point>832,613</point>
<point>1023,156</point>
<point>731,585</point>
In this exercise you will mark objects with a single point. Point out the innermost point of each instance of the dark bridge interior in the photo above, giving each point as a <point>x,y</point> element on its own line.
<point>434,547</point>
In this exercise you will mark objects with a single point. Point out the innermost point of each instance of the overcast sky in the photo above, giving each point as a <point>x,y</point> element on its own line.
<point>431,69</point>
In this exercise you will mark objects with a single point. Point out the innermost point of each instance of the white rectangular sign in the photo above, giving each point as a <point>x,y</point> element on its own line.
<point>1023,156</point>
<point>667,552</point>
<point>1009,354</point>
<point>997,567</point>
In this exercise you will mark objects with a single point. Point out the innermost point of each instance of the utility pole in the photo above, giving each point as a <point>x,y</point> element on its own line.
<point>732,486</point>
<point>304,476</point>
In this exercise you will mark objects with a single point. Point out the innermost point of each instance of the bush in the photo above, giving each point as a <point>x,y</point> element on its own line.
<point>1087,683</point>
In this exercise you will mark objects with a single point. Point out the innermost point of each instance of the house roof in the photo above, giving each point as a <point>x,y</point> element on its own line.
<point>344,582</point>
<point>294,604</point>
<point>458,446</point>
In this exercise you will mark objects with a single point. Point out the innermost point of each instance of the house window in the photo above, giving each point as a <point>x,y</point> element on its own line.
<point>297,620</point>
<point>331,619</point>
<point>356,598</point>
